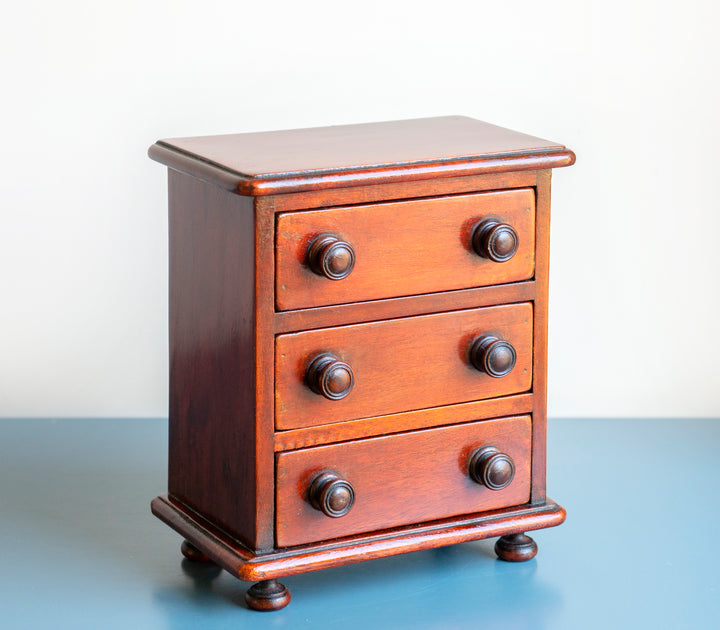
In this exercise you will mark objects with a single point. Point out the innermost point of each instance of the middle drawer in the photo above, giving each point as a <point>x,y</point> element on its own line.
<point>350,372</point>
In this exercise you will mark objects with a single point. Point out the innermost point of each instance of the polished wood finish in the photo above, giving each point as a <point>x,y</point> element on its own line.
<point>346,335</point>
<point>212,440</point>
<point>407,421</point>
<point>332,495</point>
<point>251,567</point>
<point>310,318</point>
<point>267,596</point>
<point>516,548</point>
<point>495,240</point>
<point>277,162</point>
<point>492,355</point>
<point>330,377</point>
<point>492,468</point>
<point>264,375</point>
<point>402,248</point>
<point>191,552</point>
<point>401,364</point>
<point>400,479</point>
<point>281,185</point>
<point>540,330</point>
<point>330,257</point>
<point>415,189</point>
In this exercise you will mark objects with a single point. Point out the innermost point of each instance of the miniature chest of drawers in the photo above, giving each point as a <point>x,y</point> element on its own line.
<point>358,344</point>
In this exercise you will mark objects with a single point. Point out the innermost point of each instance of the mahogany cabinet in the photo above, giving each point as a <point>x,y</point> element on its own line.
<point>358,344</point>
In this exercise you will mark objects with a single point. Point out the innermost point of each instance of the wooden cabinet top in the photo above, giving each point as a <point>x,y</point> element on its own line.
<point>351,155</point>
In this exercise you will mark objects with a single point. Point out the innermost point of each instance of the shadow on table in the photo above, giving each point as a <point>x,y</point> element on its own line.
<point>463,586</point>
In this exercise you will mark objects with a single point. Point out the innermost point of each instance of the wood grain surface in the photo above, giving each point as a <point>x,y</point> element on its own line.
<point>212,455</point>
<point>540,337</point>
<point>331,197</point>
<point>399,422</point>
<point>351,155</point>
<point>246,565</point>
<point>376,310</point>
<point>247,317</point>
<point>403,248</point>
<point>400,479</point>
<point>401,364</point>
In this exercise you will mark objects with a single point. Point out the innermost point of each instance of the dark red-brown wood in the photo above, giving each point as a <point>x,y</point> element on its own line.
<point>400,479</point>
<point>267,596</point>
<point>322,317</point>
<point>234,354</point>
<point>402,248</point>
<point>264,375</point>
<point>407,421</point>
<point>401,364</point>
<point>191,552</point>
<point>354,155</point>
<point>252,567</point>
<point>516,548</point>
<point>540,329</point>
<point>415,189</point>
<point>212,443</point>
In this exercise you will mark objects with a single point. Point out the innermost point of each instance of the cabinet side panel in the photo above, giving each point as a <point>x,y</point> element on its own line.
<point>542,268</point>
<point>212,348</point>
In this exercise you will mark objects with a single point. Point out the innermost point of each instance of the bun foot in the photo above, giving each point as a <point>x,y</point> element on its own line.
<point>516,548</point>
<point>191,552</point>
<point>267,595</point>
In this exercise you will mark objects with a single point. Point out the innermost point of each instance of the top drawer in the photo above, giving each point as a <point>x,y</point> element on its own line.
<point>404,248</point>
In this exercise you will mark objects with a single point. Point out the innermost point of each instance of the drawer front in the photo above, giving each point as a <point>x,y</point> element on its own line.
<point>397,365</point>
<point>401,248</point>
<point>400,479</point>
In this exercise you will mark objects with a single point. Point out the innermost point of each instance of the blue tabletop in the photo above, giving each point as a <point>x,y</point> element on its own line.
<point>80,549</point>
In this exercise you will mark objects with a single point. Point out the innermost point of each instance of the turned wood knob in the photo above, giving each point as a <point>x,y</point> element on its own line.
<point>331,257</point>
<point>494,240</point>
<point>492,355</point>
<point>491,468</point>
<point>330,377</point>
<point>332,495</point>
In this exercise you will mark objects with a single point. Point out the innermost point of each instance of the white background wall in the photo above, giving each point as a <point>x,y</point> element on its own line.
<point>632,87</point>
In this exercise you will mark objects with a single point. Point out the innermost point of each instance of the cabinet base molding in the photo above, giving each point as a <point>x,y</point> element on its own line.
<point>249,566</point>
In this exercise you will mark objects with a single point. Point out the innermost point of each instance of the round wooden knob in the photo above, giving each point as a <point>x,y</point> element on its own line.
<point>331,257</point>
<point>492,355</point>
<point>332,495</point>
<point>330,377</point>
<point>491,468</point>
<point>494,240</point>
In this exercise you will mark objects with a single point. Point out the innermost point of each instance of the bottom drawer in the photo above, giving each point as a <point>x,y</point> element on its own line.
<point>344,489</point>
